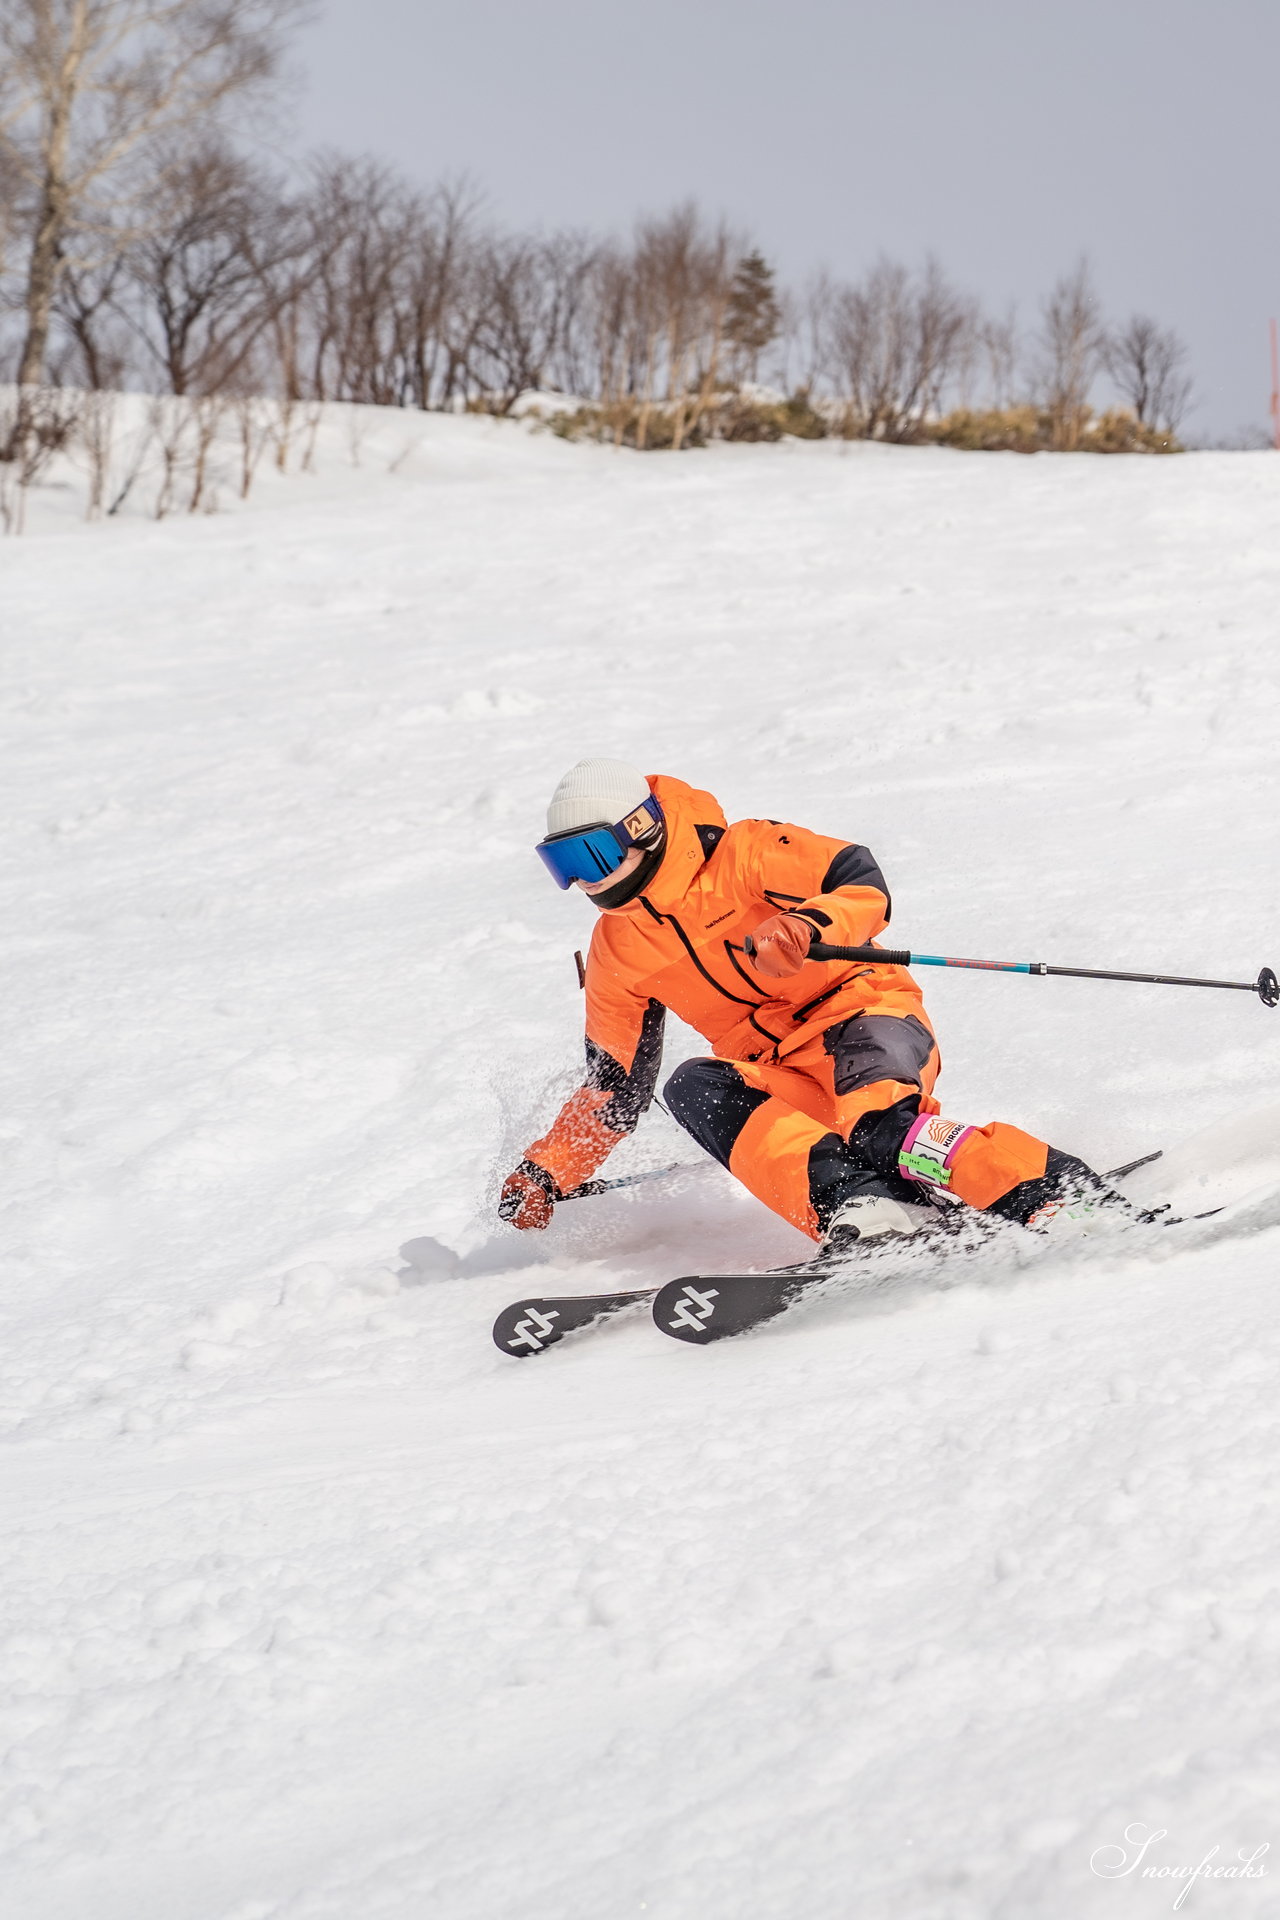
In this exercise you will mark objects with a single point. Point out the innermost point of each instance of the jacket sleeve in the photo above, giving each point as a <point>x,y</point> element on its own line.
<point>624,1052</point>
<point>852,905</point>
<point>836,887</point>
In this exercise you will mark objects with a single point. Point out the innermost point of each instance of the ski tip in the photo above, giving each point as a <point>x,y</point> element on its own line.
<point>1131,1166</point>
<point>527,1327</point>
<point>531,1326</point>
<point>702,1308</point>
<point>686,1309</point>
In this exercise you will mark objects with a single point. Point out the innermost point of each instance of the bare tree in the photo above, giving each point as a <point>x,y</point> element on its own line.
<point>573,264</point>
<point>531,292</point>
<point>896,342</point>
<point>681,281</point>
<point>85,304</point>
<point>646,324</point>
<point>198,272</point>
<point>96,441</point>
<point>85,84</point>
<point>1071,338</point>
<point>209,413</point>
<point>667,269</point>
<point>438,272</point>
<point>257,418</point>
<point>10,192</point>
<point>121,450</point>
<point>808,335</point>
<point>1002,351</point>
<point>363,228</point>
<point>170,422</point>
<point>714,290</point>
<point>609,336</point>
<point>1147,363</point>
<point>35,424</point>
<point>944,323</point>
<point>277,357</point>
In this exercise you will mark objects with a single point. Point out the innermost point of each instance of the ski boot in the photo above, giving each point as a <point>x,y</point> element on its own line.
<point>1069,1202</point>
<point>870,1208</point>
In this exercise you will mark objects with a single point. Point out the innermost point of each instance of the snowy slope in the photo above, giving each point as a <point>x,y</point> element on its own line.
<point>316,1606</point>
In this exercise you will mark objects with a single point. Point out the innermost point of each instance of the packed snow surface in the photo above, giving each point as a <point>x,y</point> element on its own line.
<point>315,1606</point>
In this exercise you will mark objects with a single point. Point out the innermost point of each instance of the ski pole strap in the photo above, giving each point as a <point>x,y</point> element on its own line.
<point>1265,986</point>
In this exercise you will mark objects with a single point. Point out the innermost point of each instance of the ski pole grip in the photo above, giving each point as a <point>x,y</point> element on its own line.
<point>821,950</point>
<point>881,956</point>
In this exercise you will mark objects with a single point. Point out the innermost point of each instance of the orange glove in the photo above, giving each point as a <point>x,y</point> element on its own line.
<point>781,945</point>
<point>528,1196</point>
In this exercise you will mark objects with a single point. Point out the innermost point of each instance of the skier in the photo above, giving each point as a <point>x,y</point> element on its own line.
<point>819,1093</point>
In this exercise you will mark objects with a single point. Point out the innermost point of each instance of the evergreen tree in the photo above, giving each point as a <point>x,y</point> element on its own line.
<point>754,318</point>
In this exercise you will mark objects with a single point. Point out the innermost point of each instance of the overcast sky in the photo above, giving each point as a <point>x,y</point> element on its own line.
<point>1005,135</point>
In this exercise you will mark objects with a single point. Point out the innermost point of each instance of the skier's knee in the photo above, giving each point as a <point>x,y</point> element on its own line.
<point>711,1101</point>
<point>691,1087</point>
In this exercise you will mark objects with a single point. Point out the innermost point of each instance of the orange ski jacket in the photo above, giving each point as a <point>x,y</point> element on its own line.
<point>679,945</point>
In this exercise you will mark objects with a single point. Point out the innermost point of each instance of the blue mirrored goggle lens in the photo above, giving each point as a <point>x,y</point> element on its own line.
<point>593,854</point>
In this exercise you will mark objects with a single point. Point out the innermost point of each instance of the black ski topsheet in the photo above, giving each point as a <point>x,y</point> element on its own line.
<point>531,1326</point>
<point>700,1310</point>
<point>702,1307</point>
<point>705,1307</point>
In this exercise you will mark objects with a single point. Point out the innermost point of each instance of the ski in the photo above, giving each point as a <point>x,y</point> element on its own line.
<point>531,1326</point>
<point>1131,1166</point>
<point>701,1308</point>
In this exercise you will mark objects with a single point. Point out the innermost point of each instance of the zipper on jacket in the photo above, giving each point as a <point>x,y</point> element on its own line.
<point>809,1005</point>
<point>732,952</point>
<point>710,978</point>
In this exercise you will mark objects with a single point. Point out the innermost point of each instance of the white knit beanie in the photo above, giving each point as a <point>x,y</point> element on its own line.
<point>596,791</point>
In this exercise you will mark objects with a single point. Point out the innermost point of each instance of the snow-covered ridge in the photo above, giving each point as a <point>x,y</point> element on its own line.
<point>317,1606</point>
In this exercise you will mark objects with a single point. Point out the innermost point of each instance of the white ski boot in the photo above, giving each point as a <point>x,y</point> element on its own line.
<point>871,1216</point>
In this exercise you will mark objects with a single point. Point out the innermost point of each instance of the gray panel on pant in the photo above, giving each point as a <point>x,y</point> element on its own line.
<point>878,1046</point>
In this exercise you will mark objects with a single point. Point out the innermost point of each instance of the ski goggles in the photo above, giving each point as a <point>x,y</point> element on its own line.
<point>593,853</point>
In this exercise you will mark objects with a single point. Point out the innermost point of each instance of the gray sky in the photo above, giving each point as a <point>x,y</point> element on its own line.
<point>1006,135</point>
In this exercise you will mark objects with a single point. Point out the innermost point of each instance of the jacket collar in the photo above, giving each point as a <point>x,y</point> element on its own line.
<point>685,809</point>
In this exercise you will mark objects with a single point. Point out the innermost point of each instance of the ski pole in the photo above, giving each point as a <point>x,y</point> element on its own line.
<point>1265,986</point>
<point>589,1187</point>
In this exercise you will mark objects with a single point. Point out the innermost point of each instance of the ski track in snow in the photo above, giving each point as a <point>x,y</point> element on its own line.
<point>315,1606</point>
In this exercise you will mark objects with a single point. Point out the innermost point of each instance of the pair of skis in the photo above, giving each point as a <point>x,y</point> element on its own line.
<point>698,1308</point>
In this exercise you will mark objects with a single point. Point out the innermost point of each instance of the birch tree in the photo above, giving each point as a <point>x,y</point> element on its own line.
<point>1148,364</point>
<point>1071,338</point>
<point>84,86</point>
